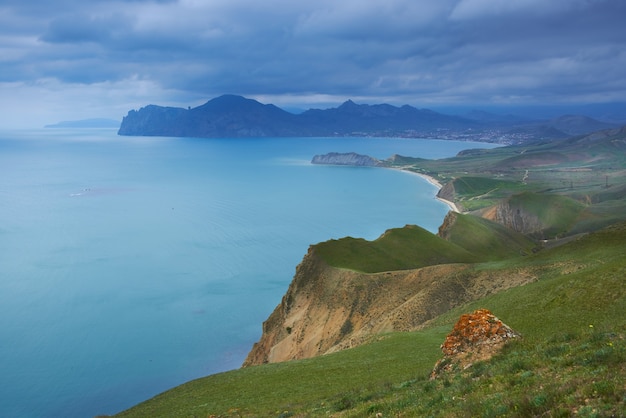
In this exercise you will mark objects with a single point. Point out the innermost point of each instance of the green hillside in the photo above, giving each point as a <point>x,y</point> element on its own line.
<point>571,359</point>
<point>466,239</point>
<point>590,170</point>
<point>485,239</point>
<point>557,214</point>
<point>398,249</point>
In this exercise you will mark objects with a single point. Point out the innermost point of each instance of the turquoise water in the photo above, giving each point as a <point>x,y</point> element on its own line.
<point>131,265</point>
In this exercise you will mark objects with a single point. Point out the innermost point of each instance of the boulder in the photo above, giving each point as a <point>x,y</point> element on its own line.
<point>475,337</point>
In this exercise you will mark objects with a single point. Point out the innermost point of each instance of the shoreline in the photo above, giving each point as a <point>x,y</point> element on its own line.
<point>453,207</point>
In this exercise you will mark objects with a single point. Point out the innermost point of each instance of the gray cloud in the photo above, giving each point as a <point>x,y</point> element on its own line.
<point>314,52</point>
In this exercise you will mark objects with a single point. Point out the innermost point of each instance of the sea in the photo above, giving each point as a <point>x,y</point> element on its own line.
<point>130,265</point>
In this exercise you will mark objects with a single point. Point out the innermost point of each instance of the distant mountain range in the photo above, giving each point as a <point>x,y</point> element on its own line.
<point>231,116</point>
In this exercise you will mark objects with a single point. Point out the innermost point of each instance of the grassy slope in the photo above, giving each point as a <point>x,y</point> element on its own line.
<point>561,364</point>
<point>479,192</point>
<point>487,240</point>
<point>398,249</point>
<point>572,357</point>
<point>559,214</point>
<point>589,170</point>
<point>471,239</point>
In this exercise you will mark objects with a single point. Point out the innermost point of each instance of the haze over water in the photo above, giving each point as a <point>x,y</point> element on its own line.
<point>131,265</point>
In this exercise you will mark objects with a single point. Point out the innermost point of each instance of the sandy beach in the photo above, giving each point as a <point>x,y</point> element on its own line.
<point>453,207</point>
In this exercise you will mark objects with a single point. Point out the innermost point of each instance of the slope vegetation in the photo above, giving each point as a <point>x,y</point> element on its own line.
<point>346,291</point>
<point>548,190</point>
<point>397,249</point>
<point>570,360</point>
<point>486,240</point>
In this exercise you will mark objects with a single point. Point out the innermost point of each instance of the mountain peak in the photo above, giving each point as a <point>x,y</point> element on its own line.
<point>230,100</point>
<point>348,104</point>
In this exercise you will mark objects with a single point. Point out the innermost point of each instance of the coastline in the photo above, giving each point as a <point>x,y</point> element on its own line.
<point>453,207</point>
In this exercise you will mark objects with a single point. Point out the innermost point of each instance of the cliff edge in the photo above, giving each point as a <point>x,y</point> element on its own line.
<point>327,309</point>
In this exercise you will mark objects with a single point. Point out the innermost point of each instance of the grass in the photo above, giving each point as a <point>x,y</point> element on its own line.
<point>487,240</point>
<point>568,374</point>
<point>557,214</point>
<point>469,239</point>
<point>398,249</point>
<point>570,360</point>
<point>325,383</point>
<point>475,193</point>
<point>600,215</point>
<point>572,184</point>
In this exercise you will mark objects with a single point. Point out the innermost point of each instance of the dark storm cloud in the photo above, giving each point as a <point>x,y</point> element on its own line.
<point>400,51</point>
<point>80,28</point>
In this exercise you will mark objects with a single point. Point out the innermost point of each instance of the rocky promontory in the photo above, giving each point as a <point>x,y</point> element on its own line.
<point>348,158</point>
<point>327,309</point>
<point>231,116</point>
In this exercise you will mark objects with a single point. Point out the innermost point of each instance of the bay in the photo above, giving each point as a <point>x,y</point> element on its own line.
<point>130,265</point>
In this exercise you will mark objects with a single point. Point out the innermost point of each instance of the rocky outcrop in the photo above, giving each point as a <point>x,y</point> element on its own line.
<point>445,229</point>
<point>327,309</point>
<point>475,337</point>
<point>348,158</point>
<point>516,218</point>
<point>447,192</point>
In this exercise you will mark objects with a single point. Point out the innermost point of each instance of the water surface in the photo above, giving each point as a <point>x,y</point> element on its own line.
<point>130,265</point>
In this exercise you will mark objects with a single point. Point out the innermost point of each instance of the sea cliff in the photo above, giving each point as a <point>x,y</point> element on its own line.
<point>327,309</point>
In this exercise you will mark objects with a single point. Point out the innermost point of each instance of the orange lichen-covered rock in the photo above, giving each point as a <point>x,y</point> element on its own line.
<point>475,337</point>
<point>475,329</point>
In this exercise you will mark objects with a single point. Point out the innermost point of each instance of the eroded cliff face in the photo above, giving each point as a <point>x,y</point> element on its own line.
<point>447,192</point>
<point>327,309</point>
<point>514,217</point>
<point>505,212</point>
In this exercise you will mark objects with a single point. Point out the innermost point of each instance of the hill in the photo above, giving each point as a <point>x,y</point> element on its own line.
<point>578,124</point>
<point>548,190</point>
<point>345,291</point>
<point>397,249</point>
<point>571,317</point>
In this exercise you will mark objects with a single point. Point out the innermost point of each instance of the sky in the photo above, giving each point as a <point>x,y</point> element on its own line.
<point>76,59</point>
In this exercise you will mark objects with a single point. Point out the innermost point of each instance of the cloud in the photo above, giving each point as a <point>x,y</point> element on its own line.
<point>473,9</point>
<point>81,27</point>
<point>402,51</point>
